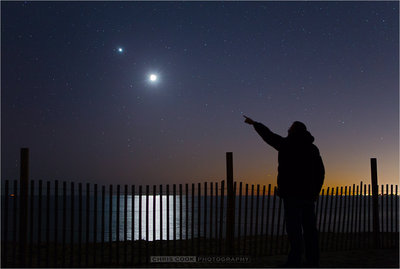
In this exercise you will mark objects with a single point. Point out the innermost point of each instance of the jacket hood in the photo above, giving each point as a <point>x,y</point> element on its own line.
<point>303,137</point>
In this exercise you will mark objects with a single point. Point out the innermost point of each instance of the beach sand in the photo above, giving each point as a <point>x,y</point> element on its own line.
<point>366,258</point>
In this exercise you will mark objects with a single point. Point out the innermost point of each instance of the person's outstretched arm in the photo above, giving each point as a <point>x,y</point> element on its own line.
<point>274,140</point>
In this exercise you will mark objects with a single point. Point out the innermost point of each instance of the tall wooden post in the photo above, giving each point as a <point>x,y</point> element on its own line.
<point>23,213</point>
<point>375,211</point>
<point>230,223</point>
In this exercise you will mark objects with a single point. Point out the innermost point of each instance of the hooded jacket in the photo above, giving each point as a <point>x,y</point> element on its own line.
<point>301,171</point>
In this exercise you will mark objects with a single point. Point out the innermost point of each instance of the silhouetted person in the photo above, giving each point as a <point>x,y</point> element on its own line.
<point>300,177</point>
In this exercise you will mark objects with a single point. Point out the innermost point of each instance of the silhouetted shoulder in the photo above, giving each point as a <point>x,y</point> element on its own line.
<point>274,140</point>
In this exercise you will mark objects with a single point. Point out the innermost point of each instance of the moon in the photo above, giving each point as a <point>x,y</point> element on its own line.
<point>153,77</point>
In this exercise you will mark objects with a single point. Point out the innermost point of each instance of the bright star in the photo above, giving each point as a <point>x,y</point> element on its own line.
<point>120,50</point>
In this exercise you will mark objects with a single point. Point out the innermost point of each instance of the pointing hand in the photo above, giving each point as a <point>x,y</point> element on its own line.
<point>248,120</point>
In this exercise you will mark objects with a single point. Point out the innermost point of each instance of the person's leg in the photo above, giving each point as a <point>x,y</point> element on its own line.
<point>309,223</point>
<point>294,231</point>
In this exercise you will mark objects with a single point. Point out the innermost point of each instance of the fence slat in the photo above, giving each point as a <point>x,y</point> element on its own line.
<point>332,238</point>
<point>55,264</point>
<point>71,262</point>
<point>133,224</point>
<point>140,225</point>
<point>325,217</point>
<point>110,215</point>
<point>365,235</point>
<point>382,228</point>
<point>340,198</point>
<point>360,240</point>
<point>187,218</point>
<point>87,222</point>
<point>103,199</point>
<point>246,200</point>
<point>239,221</point>
<point>48,224</point>
<point>344,218</point>
<point>349,238</point>
<point>64,224</point>
<point>262,221</point>
<point>273,220</point>
<point>359,205</point>
<point>117,224</point>
<point>180,217</point>
<point>330,217</point>
<point>233,217</point>
<point>167,220</point>
<point>387,216</point>
<point>348,215</point>
<point>369,214</point>
<point>267,220</point>
<point>161,220</point>
<point>375,202</point>
<point>55,257</point>
<point>353,209</point>
<point>397,210</point>
<point>79,224</point>
<point>216,211</point>
<point>198,217</point>
<point>15,223</point>
<point>174,216</point>
<point>211,218</point>
<point>251,237</point>
<point>126,224</point>
<point>95,225</point>
<point>4,248</point>
<point>256,226</point>
<point>39,232</point>
<point>221,217</point>
<point>192,219</point>
<point>147,223</point>
<point>391,216</point>
<point>205,212</point>
<point>31,222</point>
<point>154,219</point>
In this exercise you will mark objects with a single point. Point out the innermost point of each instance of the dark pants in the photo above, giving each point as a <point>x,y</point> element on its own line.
<point>301,227</point>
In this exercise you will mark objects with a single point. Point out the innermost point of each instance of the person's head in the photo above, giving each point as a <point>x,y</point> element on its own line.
<point>297,127</point>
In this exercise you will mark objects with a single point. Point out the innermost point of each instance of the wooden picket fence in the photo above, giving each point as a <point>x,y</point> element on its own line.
<point>80,225</point>
<point>69,224</point>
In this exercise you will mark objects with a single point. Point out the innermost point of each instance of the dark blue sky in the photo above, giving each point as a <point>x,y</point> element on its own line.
<point>89,113</point>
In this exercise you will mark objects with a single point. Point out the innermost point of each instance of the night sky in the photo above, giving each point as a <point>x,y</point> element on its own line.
<point>76,88</point>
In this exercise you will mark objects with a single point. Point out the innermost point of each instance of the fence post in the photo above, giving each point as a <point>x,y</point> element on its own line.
<point>375,211</point>
<point>23,213</point>
<point>230,224</point>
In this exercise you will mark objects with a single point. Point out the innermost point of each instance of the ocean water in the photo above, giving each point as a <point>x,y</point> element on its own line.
<point>178,221</point>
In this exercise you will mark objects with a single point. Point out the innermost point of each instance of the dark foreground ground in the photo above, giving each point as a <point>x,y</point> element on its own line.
<point>366,258</point>
<point>140,254</point>
<point>370,258</point>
